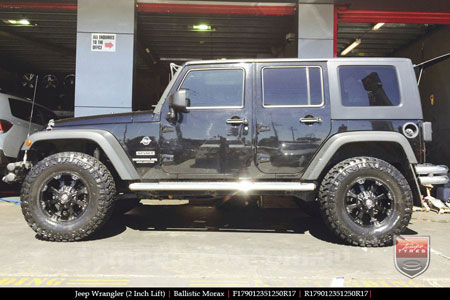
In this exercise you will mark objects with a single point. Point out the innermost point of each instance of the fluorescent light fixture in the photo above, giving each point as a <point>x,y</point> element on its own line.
<point>202,27</point>
<point>377,26</point>
<point>351,47</point>
<point>23,22</point>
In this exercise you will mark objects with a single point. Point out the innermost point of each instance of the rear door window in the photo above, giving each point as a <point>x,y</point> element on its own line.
<point>369,86</point>
<point>292,86</point>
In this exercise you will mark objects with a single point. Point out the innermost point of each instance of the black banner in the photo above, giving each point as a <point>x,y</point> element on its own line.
<point>223,293</point>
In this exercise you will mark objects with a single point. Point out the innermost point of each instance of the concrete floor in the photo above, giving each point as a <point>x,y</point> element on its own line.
<point>202,246</point>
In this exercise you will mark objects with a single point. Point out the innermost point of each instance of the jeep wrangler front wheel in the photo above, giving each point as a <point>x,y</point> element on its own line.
<point>67,196</point>
<point>366,201</point>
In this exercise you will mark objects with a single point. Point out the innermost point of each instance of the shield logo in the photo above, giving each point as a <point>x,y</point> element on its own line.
<point>412,255</point>
<point>146,141</point>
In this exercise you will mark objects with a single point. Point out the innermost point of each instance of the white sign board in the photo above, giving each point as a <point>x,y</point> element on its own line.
<point>104,42</point>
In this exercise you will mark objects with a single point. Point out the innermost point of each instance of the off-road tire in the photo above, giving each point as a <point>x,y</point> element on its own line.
<point>102,193</point>
<point>333,191</point>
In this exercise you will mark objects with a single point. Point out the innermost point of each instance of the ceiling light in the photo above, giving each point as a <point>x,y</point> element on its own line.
<point>377,26</point>
<point>351,47</point>
<point>202,27</point>
<point>22,22</point>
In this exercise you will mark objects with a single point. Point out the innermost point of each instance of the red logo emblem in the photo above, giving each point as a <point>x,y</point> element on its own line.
<point>412,255</point>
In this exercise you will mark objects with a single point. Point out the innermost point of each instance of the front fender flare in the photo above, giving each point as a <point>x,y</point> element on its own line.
<point>106,140</point>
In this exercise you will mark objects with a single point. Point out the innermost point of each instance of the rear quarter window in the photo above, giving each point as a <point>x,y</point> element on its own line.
<point>369,86</point>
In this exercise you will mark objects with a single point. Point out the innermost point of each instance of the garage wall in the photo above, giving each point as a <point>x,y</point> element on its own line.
<point>400,5</point>
<point>315,30</point>
<point>104,79</point>
<point>8,81</point>
<point>435,84</point>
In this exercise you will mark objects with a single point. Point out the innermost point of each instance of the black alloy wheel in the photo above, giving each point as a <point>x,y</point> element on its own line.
<point>64,197</point>
<point>369,202</point>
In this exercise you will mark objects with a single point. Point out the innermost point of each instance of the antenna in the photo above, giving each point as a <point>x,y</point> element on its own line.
<point>31,116</point>
<point>431,62</point>
<point>32,106</point>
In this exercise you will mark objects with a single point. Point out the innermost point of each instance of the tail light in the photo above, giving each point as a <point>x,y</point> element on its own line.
<point>4,126</point>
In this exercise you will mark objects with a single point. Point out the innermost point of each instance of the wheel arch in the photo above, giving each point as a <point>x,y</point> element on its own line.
<point>77,139</point>
<point>391,147</point>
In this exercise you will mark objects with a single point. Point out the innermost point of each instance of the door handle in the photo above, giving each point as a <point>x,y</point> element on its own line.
<point>262,128</point>
<point>237,121</point>
<point>310,120</point>
<point>167,129</point>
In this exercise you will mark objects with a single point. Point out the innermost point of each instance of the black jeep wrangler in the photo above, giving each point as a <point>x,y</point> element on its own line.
<point>347,133</point>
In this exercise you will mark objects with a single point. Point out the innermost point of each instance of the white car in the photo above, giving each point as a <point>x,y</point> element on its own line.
<point>14,122</point>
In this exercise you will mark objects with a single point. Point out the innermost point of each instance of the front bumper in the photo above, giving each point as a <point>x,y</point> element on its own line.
<point>431,174</point>
<point>16,171</point>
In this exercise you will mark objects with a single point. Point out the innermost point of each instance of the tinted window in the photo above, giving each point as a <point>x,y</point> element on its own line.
<point>369,86</point>
<point>292,86</point>
<point>214,88</point>
<point>46,114</point>
<point>22,110</point>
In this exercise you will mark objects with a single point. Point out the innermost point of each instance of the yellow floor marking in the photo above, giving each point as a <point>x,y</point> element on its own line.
<point>383,283</point>
<point>112,280</point>
<point>96,283</point>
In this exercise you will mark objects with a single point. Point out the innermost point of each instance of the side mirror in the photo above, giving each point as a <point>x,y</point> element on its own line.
<point>178,101</point>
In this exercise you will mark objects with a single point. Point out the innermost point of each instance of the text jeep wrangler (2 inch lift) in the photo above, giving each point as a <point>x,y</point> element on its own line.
<point>345,132</point>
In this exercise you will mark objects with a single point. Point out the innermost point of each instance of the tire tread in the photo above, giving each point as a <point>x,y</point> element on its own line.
<point>106,188</point>
<point>327,198</point>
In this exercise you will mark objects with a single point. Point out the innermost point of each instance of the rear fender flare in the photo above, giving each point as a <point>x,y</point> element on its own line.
<point>336,141</point>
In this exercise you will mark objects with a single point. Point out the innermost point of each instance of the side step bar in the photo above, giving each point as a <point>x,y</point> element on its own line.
<point>243,186</point>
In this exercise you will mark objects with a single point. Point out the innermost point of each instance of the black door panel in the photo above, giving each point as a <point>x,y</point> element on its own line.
<point>214,137</point>
<point>292,115</point>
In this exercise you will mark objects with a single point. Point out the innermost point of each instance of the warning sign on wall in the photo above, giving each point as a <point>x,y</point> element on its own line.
<point>103,42</point>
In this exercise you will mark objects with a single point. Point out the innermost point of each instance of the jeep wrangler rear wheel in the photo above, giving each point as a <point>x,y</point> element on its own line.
<point>366,201</point>
<point>67,196</point>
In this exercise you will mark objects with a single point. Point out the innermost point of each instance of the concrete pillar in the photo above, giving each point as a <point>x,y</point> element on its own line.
<point>104,75</point>
<point>315,30</point>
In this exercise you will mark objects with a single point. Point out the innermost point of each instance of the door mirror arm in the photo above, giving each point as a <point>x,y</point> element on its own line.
<point>171,115</point>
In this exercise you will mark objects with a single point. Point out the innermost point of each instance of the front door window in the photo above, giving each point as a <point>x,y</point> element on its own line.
<point>214,88</point>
